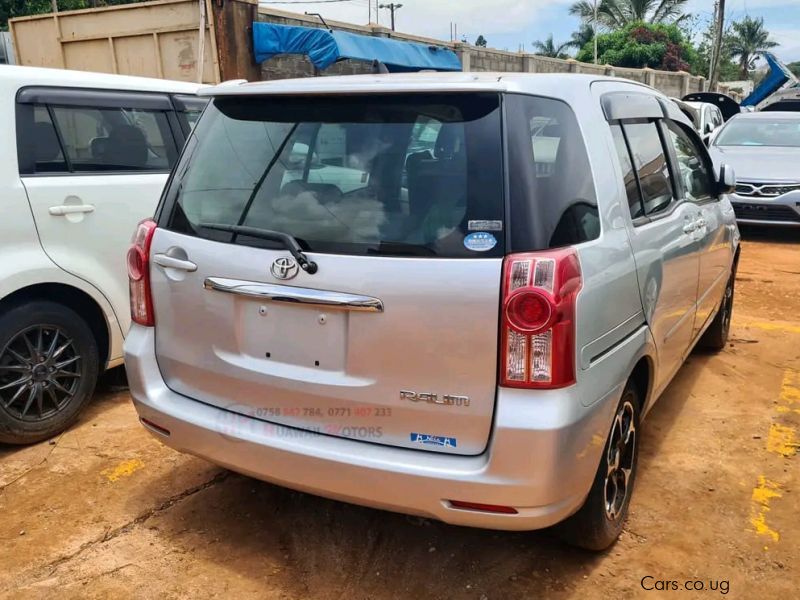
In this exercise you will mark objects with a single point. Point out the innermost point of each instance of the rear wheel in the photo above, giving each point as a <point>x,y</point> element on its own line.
<point>599,521</point>
<point>716,336</point>
<point>48,370</point>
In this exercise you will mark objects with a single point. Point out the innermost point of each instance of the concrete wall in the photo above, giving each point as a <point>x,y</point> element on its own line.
<point>472,59</point>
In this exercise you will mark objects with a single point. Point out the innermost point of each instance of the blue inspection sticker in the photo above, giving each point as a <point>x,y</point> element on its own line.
<point>433,440</point>
<point>480,241</point>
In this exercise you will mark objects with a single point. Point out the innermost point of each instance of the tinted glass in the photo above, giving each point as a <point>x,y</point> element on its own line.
<point>628,174</point>
<point>115,139</point>
<point>692,169</point>
<point>651,165</point>
<point>46,150</point>
<point>553,201</point>
<point>412,175</point>
<point>760,132</point>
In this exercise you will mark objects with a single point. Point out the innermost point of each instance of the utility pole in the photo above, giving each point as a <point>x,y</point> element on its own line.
<point>392,7</point>
<point>713,80</point>
<point>594,31</point>
<point>711,48</point>
<point>55,5</point>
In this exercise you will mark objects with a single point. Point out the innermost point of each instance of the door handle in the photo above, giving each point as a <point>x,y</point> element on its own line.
<point>70,209</point>
<point>700,223</point>
<point>690,226</point>
<point>170,262</point>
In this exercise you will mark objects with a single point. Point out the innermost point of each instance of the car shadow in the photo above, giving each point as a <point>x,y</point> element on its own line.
<point>106,395</point>
<point>319,548</point>
<point>773,235</point>
<point>663,416</point>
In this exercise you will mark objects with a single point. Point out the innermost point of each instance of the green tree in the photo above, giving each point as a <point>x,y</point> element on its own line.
<point>728,71</point>
<point>616,14</point>
<point>582,36</point>
<point>481,42</point>
<point>550,48</point>
<point>794,67</point>
<point>644,45</point>
<point>749,39</point>
<point>22,8</point>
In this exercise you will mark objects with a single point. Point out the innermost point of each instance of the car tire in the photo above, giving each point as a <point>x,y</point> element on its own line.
<point>598,523</point>
<point>716,336</point>
<point>48,370</point>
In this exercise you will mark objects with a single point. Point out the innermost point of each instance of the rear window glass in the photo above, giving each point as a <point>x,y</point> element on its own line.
<point>412,175</point>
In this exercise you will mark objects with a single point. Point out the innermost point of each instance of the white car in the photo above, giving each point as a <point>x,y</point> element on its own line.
<point>707,117</point>
<point>84,159</point>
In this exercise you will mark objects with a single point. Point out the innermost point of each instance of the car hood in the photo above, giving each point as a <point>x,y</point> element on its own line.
<point>759,163</point>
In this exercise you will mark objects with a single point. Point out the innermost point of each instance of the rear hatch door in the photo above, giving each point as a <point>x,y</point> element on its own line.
<point>399,202</point>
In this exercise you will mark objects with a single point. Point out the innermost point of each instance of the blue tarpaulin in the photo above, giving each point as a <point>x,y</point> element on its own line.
<point>777,77</point>
<point>324,48</point>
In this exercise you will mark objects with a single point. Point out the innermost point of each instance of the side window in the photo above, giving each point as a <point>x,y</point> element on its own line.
<point>188,108</point>
<point>46,150</point>
<point>628,174</point>
<point>691,168</point>
<point>553,199</point>
<point>708,119</point>
<point>115,139</point>
<point>651,165</point>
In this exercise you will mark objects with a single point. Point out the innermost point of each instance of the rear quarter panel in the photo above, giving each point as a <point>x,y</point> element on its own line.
<point>609,308</point>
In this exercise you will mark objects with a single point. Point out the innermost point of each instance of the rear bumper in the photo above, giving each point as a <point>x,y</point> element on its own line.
<point>541,459</point>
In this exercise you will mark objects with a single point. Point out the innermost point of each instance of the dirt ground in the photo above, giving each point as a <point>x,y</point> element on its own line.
<point>106,510</point>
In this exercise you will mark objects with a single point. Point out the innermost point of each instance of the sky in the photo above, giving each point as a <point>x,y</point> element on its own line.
<point>507,24</point>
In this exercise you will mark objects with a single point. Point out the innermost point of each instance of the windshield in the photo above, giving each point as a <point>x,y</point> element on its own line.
<point>416,175</point>
<point>761,132</point>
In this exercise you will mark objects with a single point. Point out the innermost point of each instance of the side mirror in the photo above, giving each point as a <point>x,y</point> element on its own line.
<point>726,184</point>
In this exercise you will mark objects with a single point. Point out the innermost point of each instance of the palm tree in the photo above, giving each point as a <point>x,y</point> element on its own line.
<point>582,36</point>
<point>550,48</point>
<point>616,14</point>
<point>748,40</point>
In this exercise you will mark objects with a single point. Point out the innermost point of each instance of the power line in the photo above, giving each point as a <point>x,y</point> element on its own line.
<point>392,7</point>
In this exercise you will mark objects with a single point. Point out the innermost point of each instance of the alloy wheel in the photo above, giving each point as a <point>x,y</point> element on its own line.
<point>40,372</point>
<point>620,460</point>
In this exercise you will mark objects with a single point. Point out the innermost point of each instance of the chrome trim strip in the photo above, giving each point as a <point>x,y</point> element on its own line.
<point>596,349</point>
<point>294,295</point>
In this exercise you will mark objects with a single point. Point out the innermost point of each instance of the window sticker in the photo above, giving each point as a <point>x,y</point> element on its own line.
<point>480,241</point>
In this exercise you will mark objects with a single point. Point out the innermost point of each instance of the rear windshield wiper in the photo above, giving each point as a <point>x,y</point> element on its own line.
<point>289,242</point>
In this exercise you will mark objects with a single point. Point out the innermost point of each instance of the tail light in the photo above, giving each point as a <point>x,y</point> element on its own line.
<point>139,274</point>
<point>538,320</point>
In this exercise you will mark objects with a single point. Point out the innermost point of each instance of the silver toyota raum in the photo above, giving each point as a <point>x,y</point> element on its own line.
<point>450,295</point>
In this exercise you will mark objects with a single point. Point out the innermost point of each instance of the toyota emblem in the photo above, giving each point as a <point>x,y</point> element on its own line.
<point>284,268</point>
